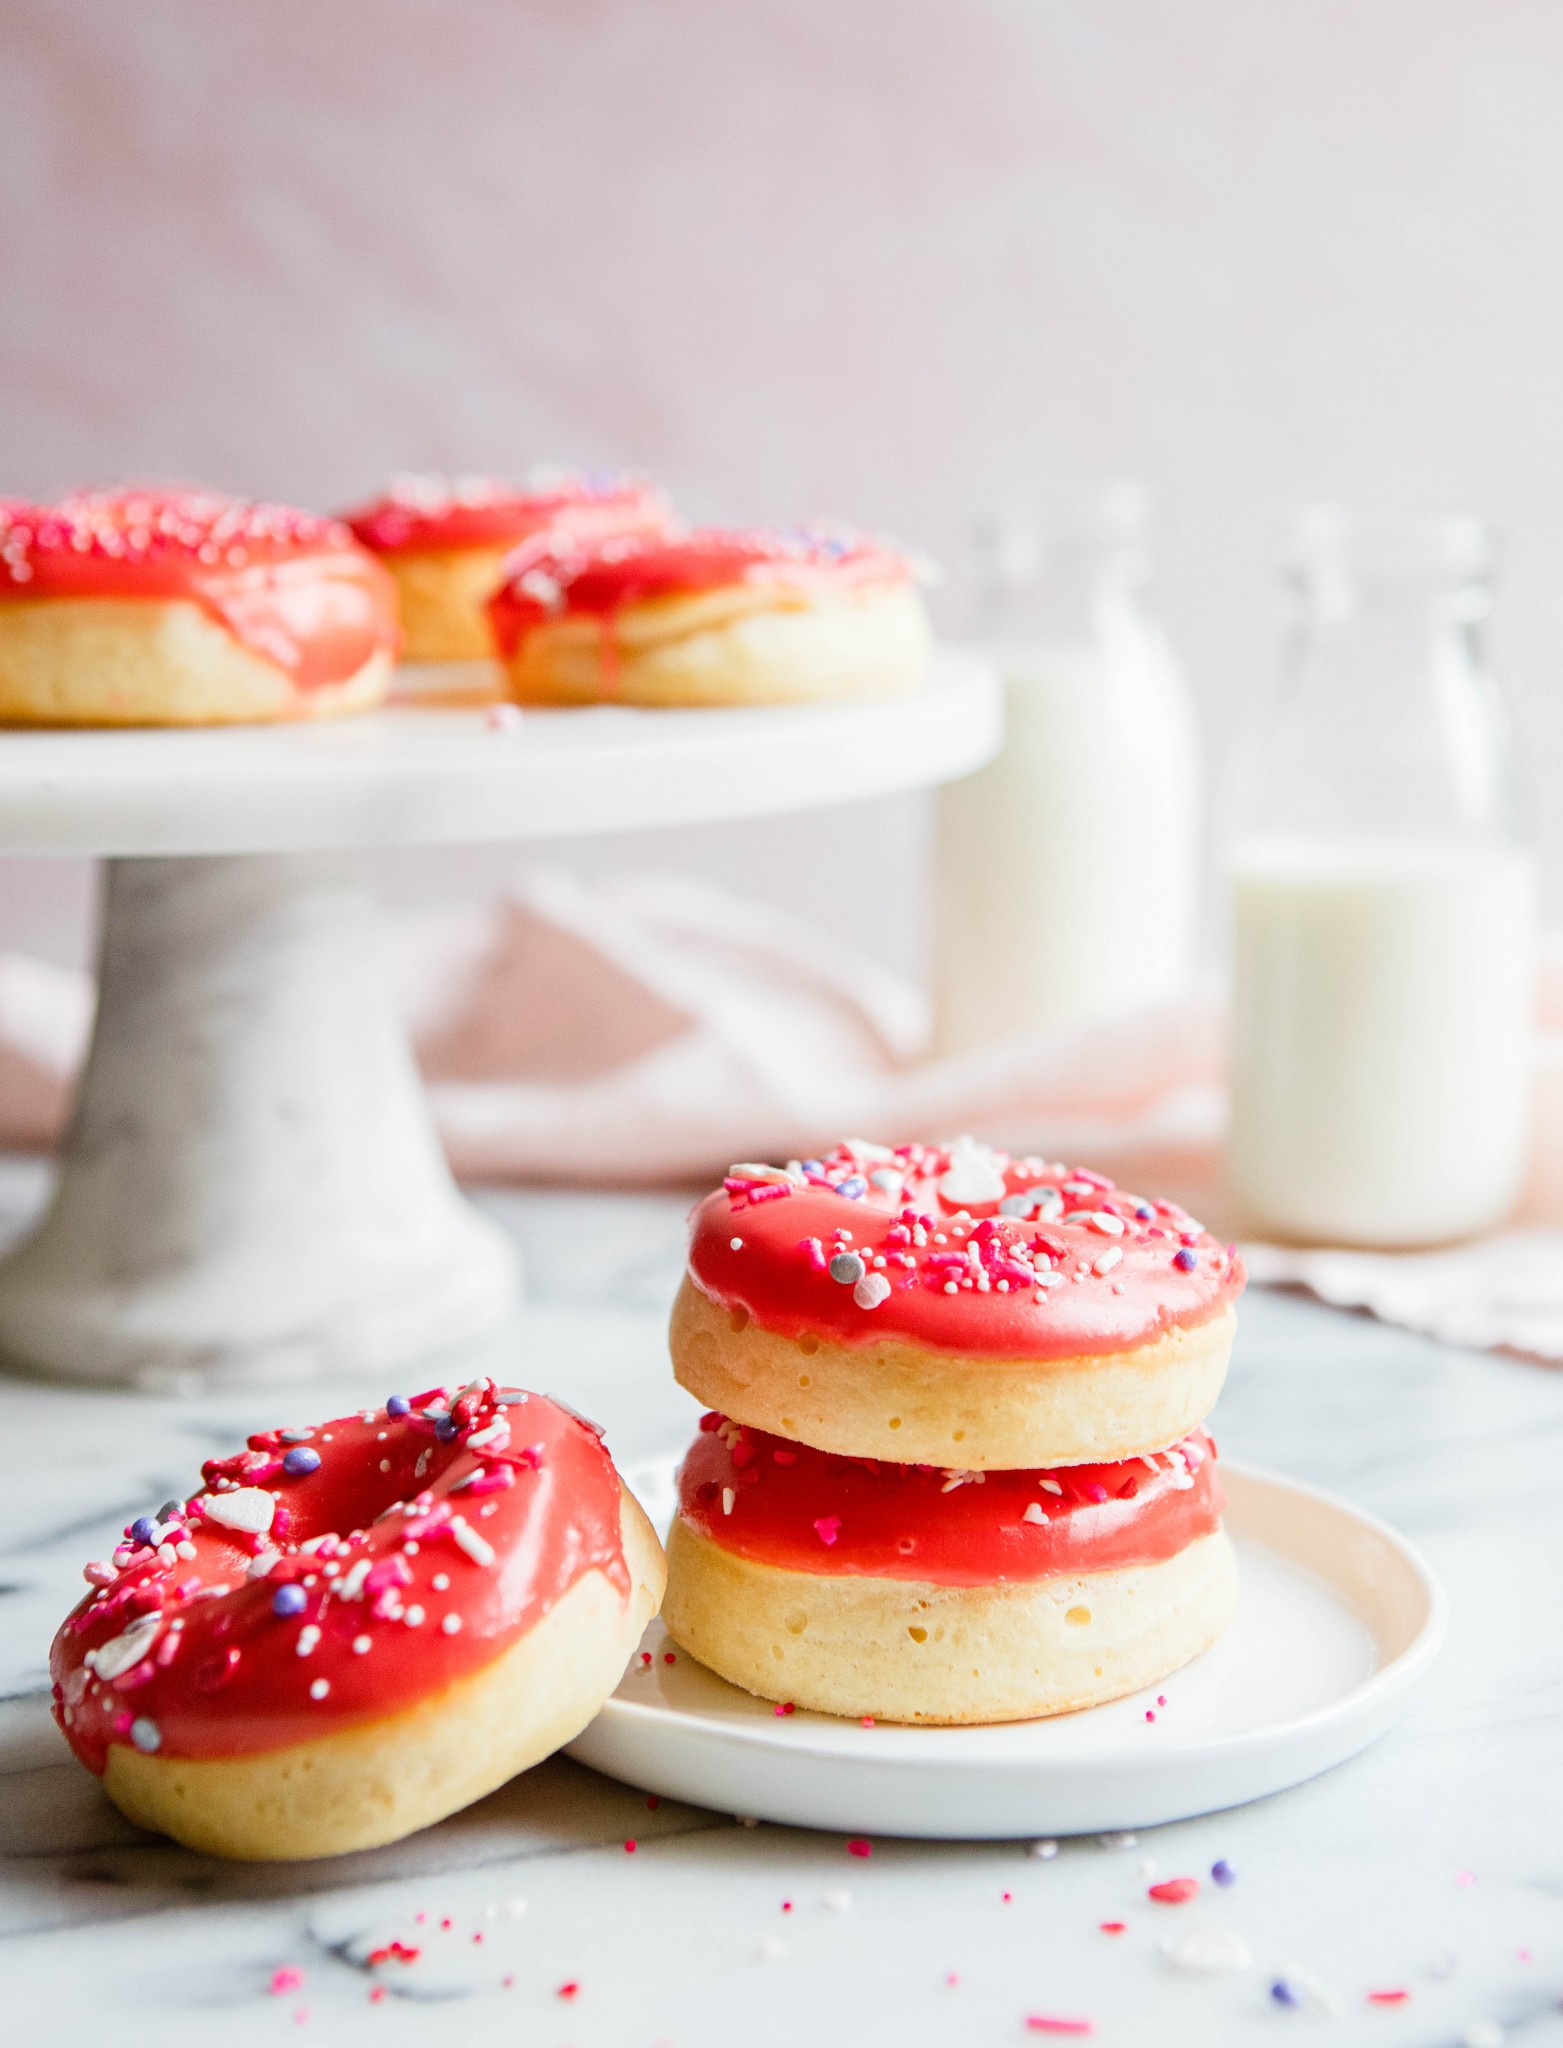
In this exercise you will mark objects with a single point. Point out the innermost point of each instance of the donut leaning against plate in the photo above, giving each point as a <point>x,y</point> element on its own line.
<point>708,616</point>
<point>353,1630</point>
<point>859,1587</point>
<point>186,607</point>
<point>444,539</point>
<point>953,1307</point>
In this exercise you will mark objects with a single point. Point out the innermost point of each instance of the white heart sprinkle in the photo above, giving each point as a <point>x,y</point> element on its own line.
<point>248,1508</point>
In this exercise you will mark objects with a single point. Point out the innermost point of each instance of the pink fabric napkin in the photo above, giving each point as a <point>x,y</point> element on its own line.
<point>653,1029</point>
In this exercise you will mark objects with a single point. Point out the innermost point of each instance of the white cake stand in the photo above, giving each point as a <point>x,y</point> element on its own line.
<point>251,1189</point>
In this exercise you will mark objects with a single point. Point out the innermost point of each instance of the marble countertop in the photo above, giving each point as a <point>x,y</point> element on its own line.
<point>1432,1864</point>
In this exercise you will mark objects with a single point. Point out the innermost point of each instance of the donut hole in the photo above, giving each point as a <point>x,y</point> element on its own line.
<point>808,1344</point>
<point>918,1635</point>
<point>738,1320</point>
<point>796,1622</point>
<point>1078,1617</point>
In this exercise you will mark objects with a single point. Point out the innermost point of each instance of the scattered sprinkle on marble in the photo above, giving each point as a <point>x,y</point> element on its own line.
<point>1043,1851</point>
<point>1221,1872</point>
<point>1176,1891</point>
<point>857,1846</point>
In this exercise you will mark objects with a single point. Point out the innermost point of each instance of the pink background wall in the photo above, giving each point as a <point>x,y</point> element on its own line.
<point>874,257</point>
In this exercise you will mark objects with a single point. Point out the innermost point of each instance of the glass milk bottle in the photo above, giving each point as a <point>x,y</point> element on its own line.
<point>1382,902</point>
<point>1067,870</point>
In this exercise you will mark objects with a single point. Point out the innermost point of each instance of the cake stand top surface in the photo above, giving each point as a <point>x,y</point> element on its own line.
<point>415,776</point>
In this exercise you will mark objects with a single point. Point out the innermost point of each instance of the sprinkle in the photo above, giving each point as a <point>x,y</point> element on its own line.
<point>1122,1838</point>
<point>1204,1951</point>
<point>1176,1891</point>
<point>1035,1513</point>
<point>301,1460</point>
<point>289,1978</point>
<point>668,1657</point>
<point>320,1688</point>
<point>1043,1851</point>
<point>827,1528</point>
<point>146,1735</point>
<point>1110,1258</point>
<point>728,1497</point>
<point>1185,1260</point>
<point>362,1645</point>
<point>871,1290</point>
<point>468,1540</point>
<point>847,1268</point>
<point>398,1405</point>
<point>630,1845</point>
<point>308,1636</point>
<point>1399,1996</point>
<point>451,1625</point>
<point>247,1508</point>
<point>735,1244</point>
<point>1115,1926</point>
<point>1106,1222</point>
<point>143,1530</point>
<point>1284,1993</point>
<point>289,1600</point>
<point>857,1846</point>
<point>1221,1872</point>
<point>1052,2023</point>
<point>568,1990</point>
<point>414,1616</point>
<point>867,1721</point>
<point>119,1655</point>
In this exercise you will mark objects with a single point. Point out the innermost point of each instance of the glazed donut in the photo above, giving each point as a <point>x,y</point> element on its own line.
<point>708,617</point>
<point>354,1630</point>
<point>443,540</point>
<point>860,1588</point>
<point>175,607</point>
<point>953,1307</point>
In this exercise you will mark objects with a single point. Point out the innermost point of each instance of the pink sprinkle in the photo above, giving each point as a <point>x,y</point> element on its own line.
<point>858,1847</point>
<point>952,1979</point>
<point>630,1846</point>
<point>645,1658</point>
<point>1397,1997</point>
<point>786,1905</point>
<point>1161,1699</point>
<point>568,1990</point>
<point>1177,1891</point>
<point>1150,1713</point>
<point>289,1978</point>
<point>827,1528</point>
<point>786,1707</point>
<point>868,1721</point>
<point>1053,2023</point>
<point>1465,1877</point>
<point>668,1657</point>
<point>1007,1897</point>
<point>814,1252</point>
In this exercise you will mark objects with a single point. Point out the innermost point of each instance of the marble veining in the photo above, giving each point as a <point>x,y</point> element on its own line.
<point>1432,1864</point>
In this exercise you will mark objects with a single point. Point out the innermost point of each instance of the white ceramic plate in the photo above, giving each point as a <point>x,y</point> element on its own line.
<point>1339,1618</point>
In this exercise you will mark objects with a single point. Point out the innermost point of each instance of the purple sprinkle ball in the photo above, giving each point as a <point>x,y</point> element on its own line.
<point>300,1461</point>
<point>1222,1872</point>
<point>289,1600</point>
<point>398,1405</point>
<point>1284,1993</point>
<point>143,1530</point>
<point>1185,1261</point>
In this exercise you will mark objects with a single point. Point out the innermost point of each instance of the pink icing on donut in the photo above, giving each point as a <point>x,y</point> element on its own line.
<point>964,1250</point>
<point>785,1504</point>
<point>425,514</point>
<point>292,588</point>
<point>281,1603</point>
<point>554,576</point>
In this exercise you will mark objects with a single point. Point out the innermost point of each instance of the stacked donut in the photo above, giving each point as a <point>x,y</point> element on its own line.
<point>954,1469</point>
<point>352,1630</point>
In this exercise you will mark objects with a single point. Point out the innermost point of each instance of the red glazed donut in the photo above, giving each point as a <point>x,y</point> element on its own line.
<point>354,1630</point>
<point>444,541</point>
<point>176,607</point>
<point>708,617</point>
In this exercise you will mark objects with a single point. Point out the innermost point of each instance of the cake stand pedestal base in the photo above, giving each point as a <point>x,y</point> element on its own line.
<point>251,1190</point>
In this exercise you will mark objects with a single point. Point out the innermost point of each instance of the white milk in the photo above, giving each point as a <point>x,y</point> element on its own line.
<point>1382,1020</point>
<point>1067,869</point>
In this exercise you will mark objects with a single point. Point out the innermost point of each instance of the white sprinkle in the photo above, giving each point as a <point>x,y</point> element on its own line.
<point>1121,1838</point>
<point>249,1508</point>
<point>414,1616</point>
<point>1035,1513</point>
<point>146,1735</point>
<point>871,1290</point>
<point>477,1547</point>
<point>952,1287</point>
<point>122,1651</point>
<point>267,1562</point>
<point>385,1464</point>
<point>320,1688</point>
<point>496,1435</point>
<point>728,1497</point>
<point>1206,1950</point>
<point>1050,1486</point>
<point>974,1173</point>
<point>451,1625</point>
<point>308,1636</point>
<point>185,1550</point>
<point>1108,1260</point>
<point>735,1244</point>
<point>362,1646</point>
<point>1044,1851</point>
<point>1106,1222</point>
<point>352,1587</point>
<point>441,1582</point>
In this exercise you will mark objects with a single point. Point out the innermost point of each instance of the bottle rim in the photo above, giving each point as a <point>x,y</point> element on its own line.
<point>1335,538</point>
